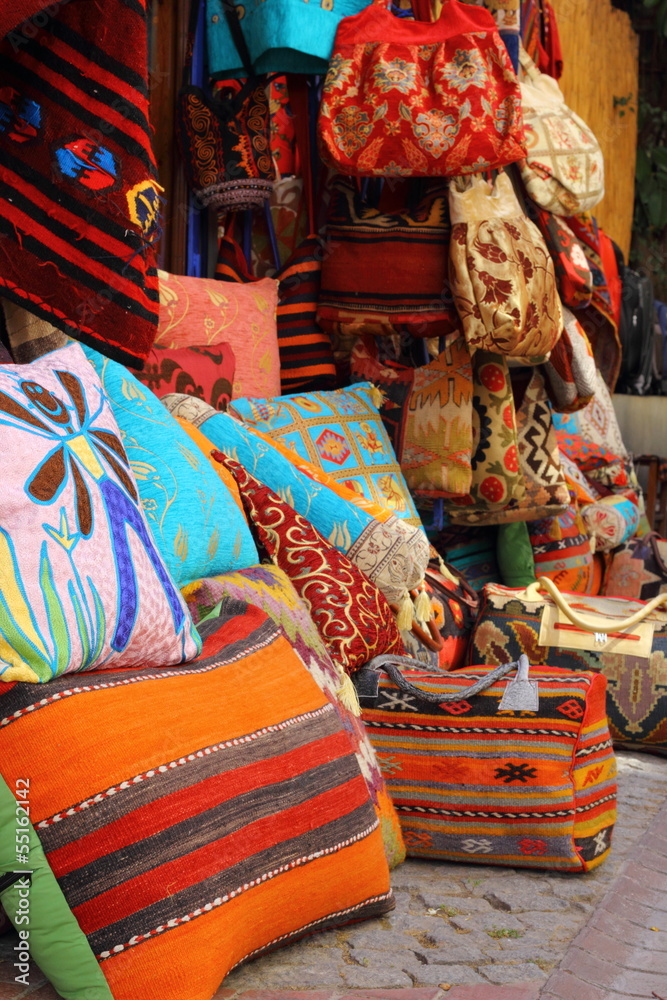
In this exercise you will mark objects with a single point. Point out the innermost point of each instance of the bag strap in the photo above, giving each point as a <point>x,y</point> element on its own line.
<point>533,592</point>
<point>231,14</point>
<point>389,663</point>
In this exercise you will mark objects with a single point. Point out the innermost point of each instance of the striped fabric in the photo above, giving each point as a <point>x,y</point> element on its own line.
<point>306,354</point>
<point>471,783</point>
<point>79,202</point>
<point>197,816</point>
<point>386,273</point>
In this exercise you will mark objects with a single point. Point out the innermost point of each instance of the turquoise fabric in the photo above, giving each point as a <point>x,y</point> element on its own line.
<point>283,36</point>
<point>334,517</point>
<point>40,912</point>
<point>340,431</point>
<point>198,527</point>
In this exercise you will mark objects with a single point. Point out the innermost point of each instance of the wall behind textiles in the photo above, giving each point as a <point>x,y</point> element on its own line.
<point>600,54</point>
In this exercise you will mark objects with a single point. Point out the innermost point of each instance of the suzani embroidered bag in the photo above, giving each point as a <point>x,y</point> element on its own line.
<point>624,640</point>
<point>483,768</point>
<point>422,99</point>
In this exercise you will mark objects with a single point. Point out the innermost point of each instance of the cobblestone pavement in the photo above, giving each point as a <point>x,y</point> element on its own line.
<point>467,924</point>
<point>458,929</point>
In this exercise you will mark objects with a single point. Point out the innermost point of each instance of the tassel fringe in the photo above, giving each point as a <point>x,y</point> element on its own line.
<point>347,695</point>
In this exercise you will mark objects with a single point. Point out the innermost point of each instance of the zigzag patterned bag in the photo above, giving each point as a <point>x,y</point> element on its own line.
<point>486,769</point>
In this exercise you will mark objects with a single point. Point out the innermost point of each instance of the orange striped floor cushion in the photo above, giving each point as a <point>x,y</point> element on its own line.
<point>472,782</point>
<point>198,815</point>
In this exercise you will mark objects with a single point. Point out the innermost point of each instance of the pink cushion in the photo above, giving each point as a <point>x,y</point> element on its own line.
<point>196,312</point>
<point>82,585</point>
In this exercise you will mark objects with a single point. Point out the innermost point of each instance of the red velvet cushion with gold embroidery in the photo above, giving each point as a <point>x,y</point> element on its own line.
<point>205,372</point>
<point>351,614</point>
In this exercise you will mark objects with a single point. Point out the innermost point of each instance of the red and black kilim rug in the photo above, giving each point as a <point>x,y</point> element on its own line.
<point>79,202</point>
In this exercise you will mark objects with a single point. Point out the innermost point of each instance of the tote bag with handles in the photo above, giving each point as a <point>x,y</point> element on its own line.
<point>419,98</point>
<point>488,768</point>
<point>624,640</point>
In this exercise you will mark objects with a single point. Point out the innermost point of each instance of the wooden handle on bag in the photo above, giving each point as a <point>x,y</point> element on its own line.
<point>587,624</point>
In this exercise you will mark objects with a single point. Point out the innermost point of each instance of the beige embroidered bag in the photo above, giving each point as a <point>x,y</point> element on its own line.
<point>501,274</point>
<point>564,169</point>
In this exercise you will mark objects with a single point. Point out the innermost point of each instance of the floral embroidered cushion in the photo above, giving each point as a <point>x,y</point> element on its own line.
<point>82,584</point>
<point>205,372</point>
<point>203,312</point>
<point>349,610</point>
<point>342,432</point>
<point>197,525</point>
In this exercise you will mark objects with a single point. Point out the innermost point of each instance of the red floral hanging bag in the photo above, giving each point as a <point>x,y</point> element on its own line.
<point>418,98</point>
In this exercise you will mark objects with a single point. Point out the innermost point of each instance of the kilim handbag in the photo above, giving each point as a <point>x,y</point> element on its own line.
<point>386,272</point>
<point>537,459</point>
<point>490,770</point>
<point>573,274</point>
<point>638,568</point>
<point>422,99</point>
<point>427,411</point>
<point>624,640</point>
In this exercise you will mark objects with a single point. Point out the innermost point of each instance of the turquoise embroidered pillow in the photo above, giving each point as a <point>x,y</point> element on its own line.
<point>342,432</point>
<point>393,553</point>
<point>82,585</point>
<point>198,527</point>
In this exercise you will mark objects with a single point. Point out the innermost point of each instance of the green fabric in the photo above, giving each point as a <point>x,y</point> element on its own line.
<point>515,554</point>
<point>55,941</point>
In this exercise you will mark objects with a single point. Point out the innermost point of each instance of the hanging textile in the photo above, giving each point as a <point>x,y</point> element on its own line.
<point>79,202</point>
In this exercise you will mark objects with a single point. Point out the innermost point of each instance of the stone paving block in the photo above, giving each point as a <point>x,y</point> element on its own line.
<point>7,972</point>
<point>452,974</point>
<point>522,894</point>
<point>355,975</point>
<point>223,994</point>
<point>492,921</point>
<point>520,973</point>
<point>621,953</point>
<point>363,937</point>
<point>458,952</point>
<point>462,904</point>
<point>378,960</point>
<point>45,992</point>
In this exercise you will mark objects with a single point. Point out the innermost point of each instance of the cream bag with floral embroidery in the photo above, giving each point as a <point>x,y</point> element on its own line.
<point>501,274</point>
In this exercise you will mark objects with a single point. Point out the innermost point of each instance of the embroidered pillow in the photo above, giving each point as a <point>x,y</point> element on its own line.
<point>342,432</point>
<point>203,312</point>
<point>82,585</point>
<point>351,614</point>
<point>205,372</point>
<point>562,551</point>
<point>197,525</point>
<point>390,551</point>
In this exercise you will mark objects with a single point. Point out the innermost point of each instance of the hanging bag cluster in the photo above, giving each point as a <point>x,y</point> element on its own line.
<point>414,98</point>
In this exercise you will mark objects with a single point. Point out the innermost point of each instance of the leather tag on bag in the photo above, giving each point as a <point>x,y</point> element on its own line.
<point>557,630</point>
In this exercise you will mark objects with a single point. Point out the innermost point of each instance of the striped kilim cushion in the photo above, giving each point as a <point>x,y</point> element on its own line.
<point>197,816</point>
<point>474,784</point>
